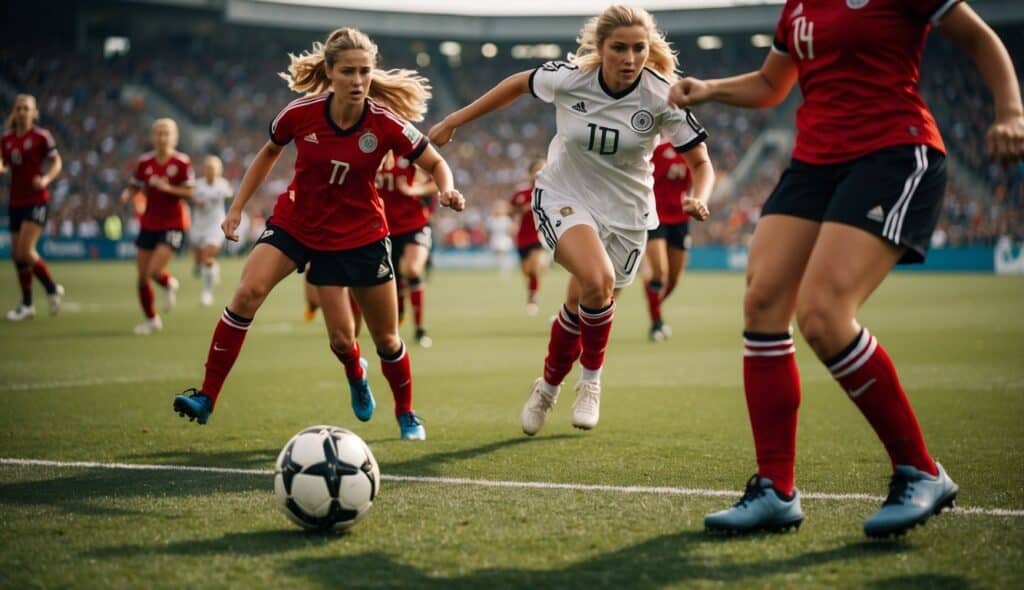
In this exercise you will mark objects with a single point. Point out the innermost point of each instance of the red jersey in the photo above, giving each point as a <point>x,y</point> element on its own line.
<point>522,202</point>
<point>405,214</point>
<point>672,183</point>
<point>332,201</point>
<point>858,63</point>
<point>24,155</point>
<point>163,210</point>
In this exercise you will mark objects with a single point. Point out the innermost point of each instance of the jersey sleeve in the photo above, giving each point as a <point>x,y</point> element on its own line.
<point>682,129</point>
<point>931,10</point>
<point>282,128</point>
<point>138,180</point>
<point>186,174</point>
<point>781,34</point>
<point>48,141</point>
<point>407,141</point>
<point>548,78</point>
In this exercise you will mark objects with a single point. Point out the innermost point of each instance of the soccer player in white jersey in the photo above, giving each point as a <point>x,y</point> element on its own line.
<point>206,237</point>
<point>593,201</point>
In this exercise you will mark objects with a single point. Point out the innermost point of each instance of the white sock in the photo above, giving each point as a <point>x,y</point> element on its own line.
<point>207,273</point>
<point>549,388</point>
<point>590,374</point>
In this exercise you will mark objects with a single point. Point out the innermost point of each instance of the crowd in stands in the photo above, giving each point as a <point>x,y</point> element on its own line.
<point>237,93</point>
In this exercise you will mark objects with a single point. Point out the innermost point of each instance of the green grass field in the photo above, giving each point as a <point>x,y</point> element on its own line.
<point>81,387</point>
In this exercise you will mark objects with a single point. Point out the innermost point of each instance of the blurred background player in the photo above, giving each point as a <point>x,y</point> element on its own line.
<point>206,237</point>
<point>593,198</point>
<point>402,186</point>
<point>26,149</point>
<point>166,178</point>
<point>533,261</point>
<point>667,244</point>
<point>330,216</point>
<point>499,236</point>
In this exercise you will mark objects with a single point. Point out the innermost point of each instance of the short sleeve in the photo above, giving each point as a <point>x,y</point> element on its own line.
<point>282,128</point>
<point>138,179</point>
<point>682,129</point>
<point>931,10</point>
<point>186,175</point>
<point>51,144</point>
<point>407,141</point>
<point>781,35</point>
<point>547,79</point>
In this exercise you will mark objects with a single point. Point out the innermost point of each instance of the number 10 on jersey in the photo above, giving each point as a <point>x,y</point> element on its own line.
<point>609,143</point>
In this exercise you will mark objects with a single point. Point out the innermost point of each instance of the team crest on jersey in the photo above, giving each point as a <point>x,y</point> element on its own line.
<point>368,142</point>
<point>565,211</point>
<point>856,4</point>
<point>172,170</point>
<point>642,121</point>
<point>28,144</point>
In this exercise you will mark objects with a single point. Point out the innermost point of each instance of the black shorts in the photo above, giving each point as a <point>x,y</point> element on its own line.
<point>895,193</point>
<point>676,235</point>
<point>524,252</point>
<point>149,239</point>
<point>423,237</point>
<point>32,214</point>
<point>364,266</point>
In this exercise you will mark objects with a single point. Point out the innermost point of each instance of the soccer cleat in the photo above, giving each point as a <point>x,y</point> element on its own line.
<point>196,406</point>
<point>422,339</point>
<point>535,412</point>
<point>411,427</point>
<point>659,332</point>
<point>206,299</point>
<point>153,324</point>
<point>170,294</point>
<point>55,299</point>
<point>586,409</point>
<point>309,314</point>
<point>532,309</point>
<point>362,398</point>
<point>760,509</point>
<point>22,312</point>
<point>914,496</point>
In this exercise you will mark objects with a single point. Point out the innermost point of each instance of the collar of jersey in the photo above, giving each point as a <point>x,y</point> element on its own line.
<point>621,93</point>
<point>348,130</point>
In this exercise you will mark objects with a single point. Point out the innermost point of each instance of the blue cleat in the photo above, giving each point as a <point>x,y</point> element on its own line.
<point>197,406</point>
<point>362,398</point>
<point>760,509</point>
<point>411,427</point>
<point>913,497</point>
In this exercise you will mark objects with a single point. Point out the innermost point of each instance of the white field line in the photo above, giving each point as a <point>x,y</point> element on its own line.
<point>85,382</point>
<point>536,485</point>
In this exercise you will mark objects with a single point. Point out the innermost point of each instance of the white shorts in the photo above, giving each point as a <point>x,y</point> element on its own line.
<point>554,214</point>
<point>206,236</point>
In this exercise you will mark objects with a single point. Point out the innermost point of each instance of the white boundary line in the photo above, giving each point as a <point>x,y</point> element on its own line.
<point>84,382</point>
<point>535,485</point>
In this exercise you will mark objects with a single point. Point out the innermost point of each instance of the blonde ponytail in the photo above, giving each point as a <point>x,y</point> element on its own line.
<point>662,59</point>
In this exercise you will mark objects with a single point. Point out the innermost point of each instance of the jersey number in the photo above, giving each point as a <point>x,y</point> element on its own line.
<point>634,255</point>
<point>16,157</point>
<point>803,33</point>
<point>386,181</point>
<point>677,171</point>
<point>609,143</point>
<point>339,172</point>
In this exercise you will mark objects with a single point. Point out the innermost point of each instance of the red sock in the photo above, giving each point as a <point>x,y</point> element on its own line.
<point>43,274</point>
<point>416,298</point>
<point>533,284</point>
<point>653,290</point>
<point>772,385</point>
<point>225,345</point>
<point>164,280</point>
<point>398,371</point>
<point>350,358</point>
<point>564,346</point>
<point>671,286</point>
<point>867,374</point>
<point>146,299</point>
<point>595,327</point>
<point>25,281</point>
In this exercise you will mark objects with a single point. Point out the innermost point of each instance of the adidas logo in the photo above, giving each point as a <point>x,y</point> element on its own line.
<point>876,214</point>
<point>311,138</point>
<point>266,234</point>
<point>383,270</point>
<point>580,107</point>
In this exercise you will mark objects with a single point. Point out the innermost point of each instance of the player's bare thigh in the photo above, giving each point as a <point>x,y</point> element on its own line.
<point>158,260</point>
<point>264,268</point>
<point>25,241</point>
<point>656,256</point>
<point>338,317</point>
<point>379,305</point>
<point>414,260</point>
<point>778,255</point>
<point>534,261</point>
<point>582,253</point>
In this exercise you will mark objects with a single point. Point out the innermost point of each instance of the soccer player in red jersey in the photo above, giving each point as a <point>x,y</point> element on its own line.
<point>667,244</point>
<point>26,149</point>
<point>402,187</point>
<point>166,178</point>
<point>331,217</point>
<point>532,259</point>
<point>861,194</point>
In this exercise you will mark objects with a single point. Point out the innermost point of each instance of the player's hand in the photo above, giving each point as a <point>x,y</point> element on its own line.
<point>452,199</point>
<point>38,183</point>
<point>1005,139</point>
<point>689,92</point>
<point>441,133</point>
<point>696,208</point>
<point>161,184</point>
<point>230,225</point>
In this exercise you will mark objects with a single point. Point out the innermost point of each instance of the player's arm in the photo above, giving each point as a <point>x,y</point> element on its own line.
<point>182,192</point>
<point>499,97</point>
<point>56,164</point>
<point>255,174</point>
<point>422,185</point>
<point>702,175</point>
<point>764,88</point>
<point>964,27</point>
<point>3,164</point>
<point>433,164</point>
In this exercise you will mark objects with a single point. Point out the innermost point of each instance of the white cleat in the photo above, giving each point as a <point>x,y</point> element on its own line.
<point>22,312</point>
<point>149,326</point>
<point>587,408</point>
<point>535,412</point>
<point>532,309</point>
<point>55,299</point>
<point>206,299</point>
<point>170,294</point>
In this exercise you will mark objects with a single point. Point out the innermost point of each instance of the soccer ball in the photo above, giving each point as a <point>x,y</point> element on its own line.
<point>326,477</point>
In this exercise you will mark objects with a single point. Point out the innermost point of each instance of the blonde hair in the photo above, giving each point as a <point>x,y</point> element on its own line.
<point>218,165</point>
<point>404,91</point>
<point>9,123</point>
<point>172,125</point>
<point>662,59</point>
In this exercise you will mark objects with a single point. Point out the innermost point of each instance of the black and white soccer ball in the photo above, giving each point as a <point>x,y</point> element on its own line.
<point>326,477</point>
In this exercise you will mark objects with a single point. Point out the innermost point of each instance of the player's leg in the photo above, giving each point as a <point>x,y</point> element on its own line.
<point>656,257</point>
<point>414,259</point>
<point>533,266</point>
<point>312,297</point>
<point>157,269</point>
<point>29,236</point>
<point>401,289</point>
<point>143,255</point>
<point>23,267</point>
<point>341,333</point>
<point>209,270</point>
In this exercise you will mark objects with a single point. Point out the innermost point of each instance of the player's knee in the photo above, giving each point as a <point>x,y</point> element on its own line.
<point>596,289</point>
<point>249,296</point>
<point>758,302</point>
<point>341,341</point>
<point>387,344</point>
<point>817,318</point>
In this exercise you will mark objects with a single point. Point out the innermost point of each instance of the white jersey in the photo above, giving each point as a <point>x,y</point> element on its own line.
<point>208,205</point>
<point>601,153</point>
